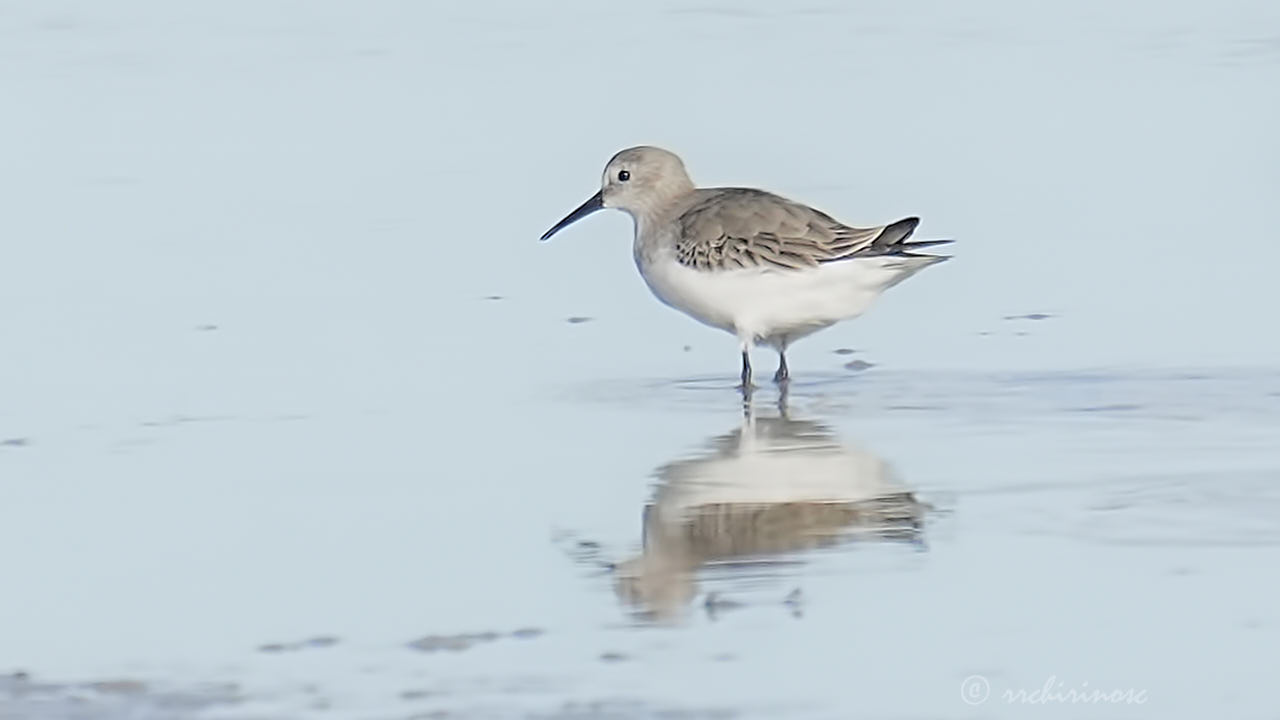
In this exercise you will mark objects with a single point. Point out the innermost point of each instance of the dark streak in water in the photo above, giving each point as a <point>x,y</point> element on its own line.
<point>465,641</point>
<point>320,641</point>
<point>176,420</point>
<point>21,696</point>
<point>452,643</point>
<point>1118,407</point>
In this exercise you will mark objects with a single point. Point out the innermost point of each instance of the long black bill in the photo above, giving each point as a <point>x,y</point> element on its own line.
<point>594,203</point>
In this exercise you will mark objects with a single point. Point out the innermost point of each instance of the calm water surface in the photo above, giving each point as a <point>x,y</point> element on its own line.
<point>297,419</point>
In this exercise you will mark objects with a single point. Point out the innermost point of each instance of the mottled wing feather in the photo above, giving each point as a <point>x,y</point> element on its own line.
<point>731,228</point>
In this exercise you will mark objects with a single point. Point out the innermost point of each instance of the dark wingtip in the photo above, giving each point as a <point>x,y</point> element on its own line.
<point>896,232</point>
<point>906,226</point>
<point>926,243</point>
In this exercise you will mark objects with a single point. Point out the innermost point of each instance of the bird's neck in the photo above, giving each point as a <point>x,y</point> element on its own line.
<point>655,223</point>
<point>660,211</point>
<point>653,235</point>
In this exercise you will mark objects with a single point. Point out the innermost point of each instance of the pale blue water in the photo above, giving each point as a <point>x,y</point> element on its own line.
<point>253,392</point>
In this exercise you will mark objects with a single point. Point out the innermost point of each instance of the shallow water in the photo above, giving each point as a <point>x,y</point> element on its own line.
<point>297,419</point>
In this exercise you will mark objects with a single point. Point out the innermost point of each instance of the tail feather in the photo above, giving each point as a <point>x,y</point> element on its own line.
<point>895,234</point>
<point>909,249</point>
<point>892,240</point>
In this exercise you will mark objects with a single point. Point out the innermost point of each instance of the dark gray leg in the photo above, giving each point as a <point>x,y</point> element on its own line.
<point>783,375</point>
<point>746,370</point>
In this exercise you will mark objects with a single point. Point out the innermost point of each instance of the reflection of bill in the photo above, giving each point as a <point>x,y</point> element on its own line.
<point>774,486</point>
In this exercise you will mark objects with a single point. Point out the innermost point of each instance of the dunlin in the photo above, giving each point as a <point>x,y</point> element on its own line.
<point>765,268</point>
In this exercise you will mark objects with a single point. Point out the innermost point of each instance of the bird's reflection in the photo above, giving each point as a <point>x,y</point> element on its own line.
<point>759,496</point>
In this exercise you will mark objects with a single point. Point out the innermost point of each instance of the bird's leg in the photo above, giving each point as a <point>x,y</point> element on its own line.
<point>783,375</point>
<point>746,387</point>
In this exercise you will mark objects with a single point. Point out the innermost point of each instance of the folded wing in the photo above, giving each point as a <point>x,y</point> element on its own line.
<point>733,228</point>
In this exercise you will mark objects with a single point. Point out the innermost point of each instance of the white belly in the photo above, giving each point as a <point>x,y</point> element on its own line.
<point>769,305</point>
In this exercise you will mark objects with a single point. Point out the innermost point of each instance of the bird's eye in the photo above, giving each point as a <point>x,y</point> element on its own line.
<point>623,176</point>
